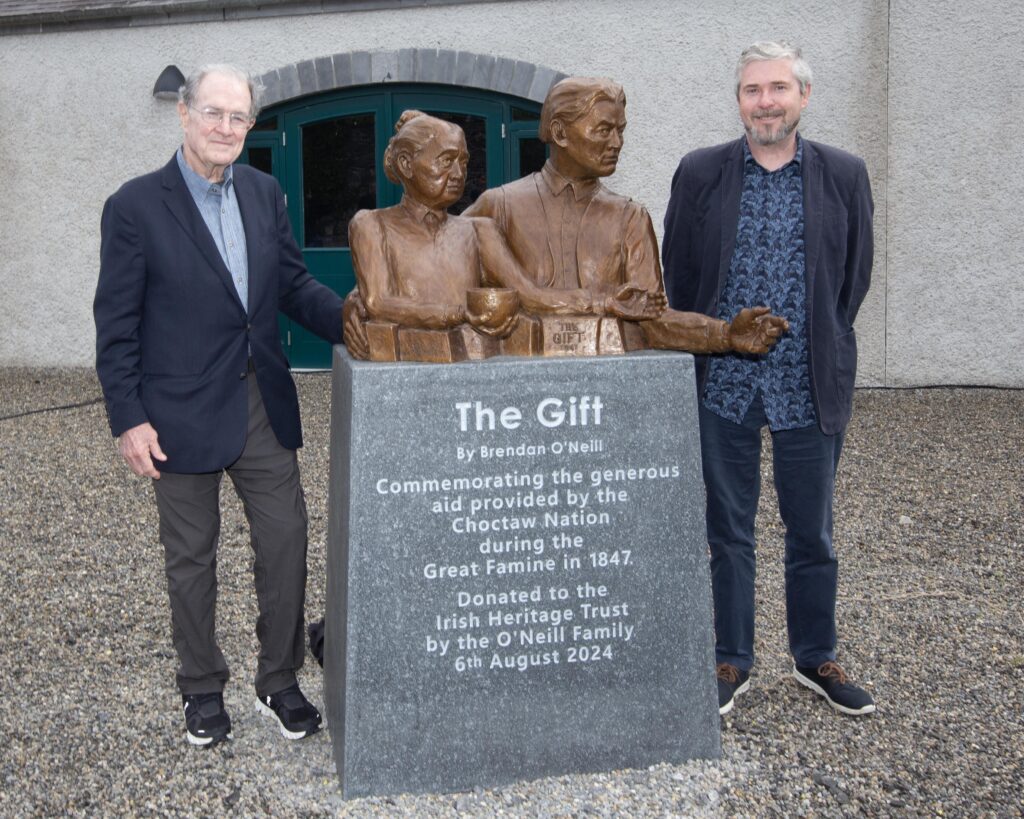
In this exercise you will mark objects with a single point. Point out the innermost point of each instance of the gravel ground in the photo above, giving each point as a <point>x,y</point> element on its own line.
<point>929,535</point>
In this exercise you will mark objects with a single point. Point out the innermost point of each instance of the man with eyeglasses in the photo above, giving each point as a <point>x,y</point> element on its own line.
<point>196,260</point>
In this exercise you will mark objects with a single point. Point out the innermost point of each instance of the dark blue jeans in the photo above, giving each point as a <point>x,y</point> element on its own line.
<point>804,467</point>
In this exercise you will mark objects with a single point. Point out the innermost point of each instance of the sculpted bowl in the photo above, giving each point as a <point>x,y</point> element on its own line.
<point>495,305</point>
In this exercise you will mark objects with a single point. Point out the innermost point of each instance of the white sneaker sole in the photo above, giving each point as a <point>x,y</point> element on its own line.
<point>725,709</point>
<point>202,742</point>
<point>266,710</point>
<point>817,689</point>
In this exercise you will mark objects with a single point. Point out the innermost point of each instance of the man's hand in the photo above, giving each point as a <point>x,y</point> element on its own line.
<point>353,314</point>
<point>138,446</point>
<point>755,330</point>
<point>633,303</point>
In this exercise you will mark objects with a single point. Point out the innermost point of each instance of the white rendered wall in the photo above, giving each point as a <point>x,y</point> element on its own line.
<point>956,194</point>
<point>78,120</point>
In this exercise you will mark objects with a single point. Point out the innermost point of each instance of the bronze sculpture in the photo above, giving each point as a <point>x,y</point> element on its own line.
<point>583,260</point>
<point>563,224</point>
<point>415,263</point>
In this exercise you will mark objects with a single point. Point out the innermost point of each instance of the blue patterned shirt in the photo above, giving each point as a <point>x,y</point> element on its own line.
<point>218,206</point>
<point>767,268</point>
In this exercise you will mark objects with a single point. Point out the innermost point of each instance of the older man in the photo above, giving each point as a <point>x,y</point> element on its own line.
<point>196,260</point>
<point>567,230</point>
<point>783,221</point>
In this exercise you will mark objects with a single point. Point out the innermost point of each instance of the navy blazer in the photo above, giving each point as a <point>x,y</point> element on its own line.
<point>700,235</point>
<point>172,337</point>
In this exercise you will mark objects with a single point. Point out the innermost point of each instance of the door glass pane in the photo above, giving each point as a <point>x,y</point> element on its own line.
<point>475,129</point>
<point>268,124</point>
<point>261,159</point>
<point>532,155</point>
<point>339,177</point>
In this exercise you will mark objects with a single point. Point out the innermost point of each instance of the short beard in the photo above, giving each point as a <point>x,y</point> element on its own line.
<point>772,137</point>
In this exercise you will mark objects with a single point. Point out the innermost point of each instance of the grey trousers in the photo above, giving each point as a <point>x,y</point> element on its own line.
<point>266,478</point>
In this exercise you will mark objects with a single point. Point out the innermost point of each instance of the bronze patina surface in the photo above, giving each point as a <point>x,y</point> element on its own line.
<point>583,261</point>
<point>414,263</point>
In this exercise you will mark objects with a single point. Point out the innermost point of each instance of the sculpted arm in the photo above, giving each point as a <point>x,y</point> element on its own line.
<point>502,268</point>
<point>486,204</point>
<point>353,318</point>
<point>754,330</point>
<point>641,297</point>
<point>375,280</point>
<point>643,267</point>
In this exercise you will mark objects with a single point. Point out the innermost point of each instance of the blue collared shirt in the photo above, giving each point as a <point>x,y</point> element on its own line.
<point>768,267</point>
<point>218,206</point>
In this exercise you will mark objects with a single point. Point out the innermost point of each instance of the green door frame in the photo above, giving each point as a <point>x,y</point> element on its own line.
<point>509,121</point>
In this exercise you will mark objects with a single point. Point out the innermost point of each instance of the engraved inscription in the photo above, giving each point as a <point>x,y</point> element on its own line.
<point>532,574</point>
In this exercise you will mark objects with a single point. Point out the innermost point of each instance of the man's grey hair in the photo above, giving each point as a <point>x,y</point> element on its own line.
<point>775,50</point>
<point>187,92</point>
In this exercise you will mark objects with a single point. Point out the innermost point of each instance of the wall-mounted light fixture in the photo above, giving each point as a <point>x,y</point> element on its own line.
<point>168,83</point>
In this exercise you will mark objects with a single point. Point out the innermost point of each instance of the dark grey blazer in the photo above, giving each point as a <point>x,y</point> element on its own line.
<point>700,235</point>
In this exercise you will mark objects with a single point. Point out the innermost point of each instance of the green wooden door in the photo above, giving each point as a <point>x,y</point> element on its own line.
<point>327,153</point>
<point>331,167</point>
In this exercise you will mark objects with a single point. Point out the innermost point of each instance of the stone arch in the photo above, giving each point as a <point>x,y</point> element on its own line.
<point>427,65</point>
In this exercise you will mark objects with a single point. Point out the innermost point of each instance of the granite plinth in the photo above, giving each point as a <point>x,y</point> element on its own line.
<point>518,581</point>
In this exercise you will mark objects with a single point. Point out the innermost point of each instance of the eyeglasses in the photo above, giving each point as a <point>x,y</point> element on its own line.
<point>214,116</point>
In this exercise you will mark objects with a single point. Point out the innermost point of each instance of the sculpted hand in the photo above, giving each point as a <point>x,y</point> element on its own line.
<point>755,330</point>
<point>353,314</point>
<point>138,446</point>
<point>492,324</point>
<point>636,304</point>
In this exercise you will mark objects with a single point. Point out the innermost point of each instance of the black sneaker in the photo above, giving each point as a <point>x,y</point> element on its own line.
<point>293,712</point>
<point>731,681</point>
<point>206,721</point>
<point>830,681</point>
